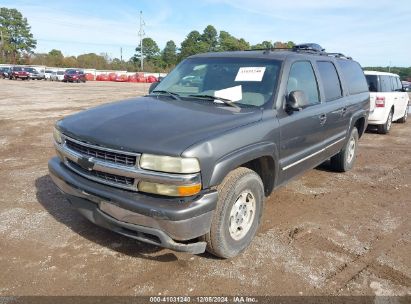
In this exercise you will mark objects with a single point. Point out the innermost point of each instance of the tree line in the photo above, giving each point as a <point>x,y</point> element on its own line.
<point>155,59</point>
<point>17,45</point>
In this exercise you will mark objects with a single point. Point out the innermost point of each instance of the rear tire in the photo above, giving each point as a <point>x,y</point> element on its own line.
<point>238,213</point>
<point>404,118</point>
<point>385,128</point>
<point>345,159</point>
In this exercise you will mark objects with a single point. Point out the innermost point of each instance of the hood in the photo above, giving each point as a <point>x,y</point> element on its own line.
<point>155,125</point>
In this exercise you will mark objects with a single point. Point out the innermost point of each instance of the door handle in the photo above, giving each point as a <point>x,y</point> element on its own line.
<point>323,118</point>
<point>343,111</point>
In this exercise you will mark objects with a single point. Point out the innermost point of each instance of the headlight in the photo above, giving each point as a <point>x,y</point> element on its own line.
<point>57,136</point>
<point>169,190</point>
<point>169,164</point>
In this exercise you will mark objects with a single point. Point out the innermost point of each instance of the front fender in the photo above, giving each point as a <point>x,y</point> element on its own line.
<point>239,157</point>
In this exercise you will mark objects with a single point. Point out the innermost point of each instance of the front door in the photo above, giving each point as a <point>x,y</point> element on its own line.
<point>302,132</point>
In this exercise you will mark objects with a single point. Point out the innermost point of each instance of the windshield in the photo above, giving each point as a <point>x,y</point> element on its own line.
<point>245,81</point>
<point>60,73</point>
<point>17,69</point>
<point>71,72</point>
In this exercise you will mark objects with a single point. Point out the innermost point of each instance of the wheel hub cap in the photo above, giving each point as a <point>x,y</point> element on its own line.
<point>389,121</point>
<point>351,150</point>
<point>242,215</point>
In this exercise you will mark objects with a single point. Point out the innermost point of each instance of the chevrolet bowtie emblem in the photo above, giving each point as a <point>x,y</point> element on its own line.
<point>86,163</point>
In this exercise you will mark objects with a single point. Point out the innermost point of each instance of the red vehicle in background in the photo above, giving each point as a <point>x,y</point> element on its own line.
<point>72,75</point>
<point>19,73</point>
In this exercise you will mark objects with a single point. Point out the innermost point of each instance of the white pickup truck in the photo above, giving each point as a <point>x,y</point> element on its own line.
<point>388,100</point>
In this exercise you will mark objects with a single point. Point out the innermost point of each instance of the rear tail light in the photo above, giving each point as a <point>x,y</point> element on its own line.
<point>380,102</point>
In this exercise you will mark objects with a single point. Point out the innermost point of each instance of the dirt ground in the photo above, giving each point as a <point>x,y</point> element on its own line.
<point>323,234</point>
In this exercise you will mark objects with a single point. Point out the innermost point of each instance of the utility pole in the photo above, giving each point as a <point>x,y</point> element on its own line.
<point>141,34</point>
<point>2,45</point>
<point>121,54</point>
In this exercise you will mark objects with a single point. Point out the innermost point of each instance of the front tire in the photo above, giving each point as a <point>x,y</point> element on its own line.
<point>238,213</point>
<point>385,128</point>
<point>345,159</point>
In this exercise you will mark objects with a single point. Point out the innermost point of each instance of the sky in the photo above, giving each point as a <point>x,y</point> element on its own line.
<point>373,32</point>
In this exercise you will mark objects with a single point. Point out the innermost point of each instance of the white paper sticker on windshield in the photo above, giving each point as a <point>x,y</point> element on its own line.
<point>250,74</point>
<point>233,93</point>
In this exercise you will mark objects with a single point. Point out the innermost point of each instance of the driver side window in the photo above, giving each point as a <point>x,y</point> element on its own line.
<point>302,78</point>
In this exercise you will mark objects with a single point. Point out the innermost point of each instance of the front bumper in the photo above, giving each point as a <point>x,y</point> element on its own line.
<point>172,223</point>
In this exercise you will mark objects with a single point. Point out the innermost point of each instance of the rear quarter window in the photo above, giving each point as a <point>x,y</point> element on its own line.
<point>353,76</point>
<point>372,81</point>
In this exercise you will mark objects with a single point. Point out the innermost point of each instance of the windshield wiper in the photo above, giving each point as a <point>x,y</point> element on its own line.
<point>171,94</point>
<point>224,100</point>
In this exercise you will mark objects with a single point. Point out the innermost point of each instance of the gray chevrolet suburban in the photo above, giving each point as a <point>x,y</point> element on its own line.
<point>188,166</point>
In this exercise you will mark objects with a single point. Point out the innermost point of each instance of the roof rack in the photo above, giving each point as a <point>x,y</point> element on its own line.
<point>339,55</point>
<point>308,47</point>
<point>312,48</point>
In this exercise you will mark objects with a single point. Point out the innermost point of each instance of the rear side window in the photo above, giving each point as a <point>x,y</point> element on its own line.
<point>302,78</point>
<point>385,83</point>
<point>353,76</point>
<point>330,80</point>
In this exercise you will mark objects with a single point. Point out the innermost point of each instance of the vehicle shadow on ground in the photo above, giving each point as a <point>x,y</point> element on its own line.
<point>325,167</point>
<point>372,130</point>
<point>49,196</point>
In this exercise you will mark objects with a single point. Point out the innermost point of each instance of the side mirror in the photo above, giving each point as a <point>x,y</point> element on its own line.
<point>152,87</point>
<point>295,101</point>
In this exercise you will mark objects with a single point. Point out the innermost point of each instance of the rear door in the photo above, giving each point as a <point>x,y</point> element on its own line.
<point>301,133</point>
<point>334,104</point>
<point>387,91</point>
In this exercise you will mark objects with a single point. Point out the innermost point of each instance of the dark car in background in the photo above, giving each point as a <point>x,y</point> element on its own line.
<point>406,86</point>
<point>72,75</point>
<point>4,72</point>
<point>19,73</point>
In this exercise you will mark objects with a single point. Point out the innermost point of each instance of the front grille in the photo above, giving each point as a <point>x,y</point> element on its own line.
<point>111,178</point>
<point>113,157</point>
